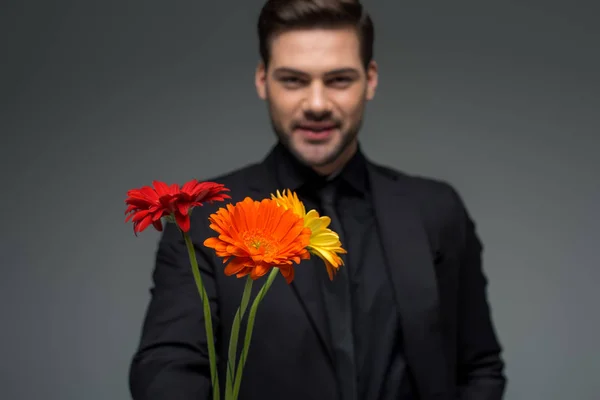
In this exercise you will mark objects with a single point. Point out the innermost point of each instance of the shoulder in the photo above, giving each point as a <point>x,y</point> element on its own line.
<point>239,177</point>
<point>241,181</point>
<point>439,204</point>
<point>430,195</point>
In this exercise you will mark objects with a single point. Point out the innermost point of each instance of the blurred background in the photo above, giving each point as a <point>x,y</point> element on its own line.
<point>498,98</point>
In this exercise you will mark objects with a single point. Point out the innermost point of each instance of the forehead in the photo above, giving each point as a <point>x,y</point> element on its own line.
<point>316,50</point>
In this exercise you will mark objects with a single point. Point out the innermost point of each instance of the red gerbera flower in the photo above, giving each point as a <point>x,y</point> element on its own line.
<point>148,205</point>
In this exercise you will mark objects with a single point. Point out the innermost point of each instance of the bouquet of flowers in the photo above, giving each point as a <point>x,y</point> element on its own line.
<point>253,237</point>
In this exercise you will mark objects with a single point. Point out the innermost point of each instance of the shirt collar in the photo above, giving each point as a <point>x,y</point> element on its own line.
<point>293,175</point>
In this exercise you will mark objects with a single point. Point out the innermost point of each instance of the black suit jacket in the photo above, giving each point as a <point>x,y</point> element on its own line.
<point>435,263</point>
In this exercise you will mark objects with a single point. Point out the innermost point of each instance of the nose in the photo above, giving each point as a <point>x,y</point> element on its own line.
<point>316,101</point>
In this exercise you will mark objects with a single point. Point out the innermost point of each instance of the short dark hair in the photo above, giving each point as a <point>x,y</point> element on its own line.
<point>282,15</point>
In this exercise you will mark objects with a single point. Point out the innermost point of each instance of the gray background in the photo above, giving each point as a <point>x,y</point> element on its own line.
<point>499,98</point>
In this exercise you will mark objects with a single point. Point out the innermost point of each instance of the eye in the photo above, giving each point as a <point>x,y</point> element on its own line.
<point>291,81</point>
<point>340,81</point>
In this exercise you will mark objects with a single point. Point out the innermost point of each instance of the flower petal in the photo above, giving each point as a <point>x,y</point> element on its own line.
<point>147,205</point>
<point>259,236</point>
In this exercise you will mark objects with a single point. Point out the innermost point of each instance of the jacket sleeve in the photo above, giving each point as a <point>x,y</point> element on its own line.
<point>480,365</point>
<point>172,361</point>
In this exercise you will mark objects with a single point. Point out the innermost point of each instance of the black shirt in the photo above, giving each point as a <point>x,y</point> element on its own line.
<point>377,344</point>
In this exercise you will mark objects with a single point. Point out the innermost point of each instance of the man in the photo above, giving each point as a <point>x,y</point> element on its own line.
<point>405,318</point>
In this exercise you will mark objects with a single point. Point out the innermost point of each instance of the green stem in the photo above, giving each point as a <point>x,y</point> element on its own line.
<point>214,375</point>
<point>249,328</point>
<point>235,329</point>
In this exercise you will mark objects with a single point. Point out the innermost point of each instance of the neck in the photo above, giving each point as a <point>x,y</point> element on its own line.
<point>336,166</point>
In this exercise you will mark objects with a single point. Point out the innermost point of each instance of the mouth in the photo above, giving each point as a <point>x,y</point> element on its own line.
<point>316,132</point>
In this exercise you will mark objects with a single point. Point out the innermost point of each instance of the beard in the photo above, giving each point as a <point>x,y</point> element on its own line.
<point>285,138</point>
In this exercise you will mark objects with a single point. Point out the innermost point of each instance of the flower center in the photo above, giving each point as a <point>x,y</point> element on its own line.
<point>259,241</point>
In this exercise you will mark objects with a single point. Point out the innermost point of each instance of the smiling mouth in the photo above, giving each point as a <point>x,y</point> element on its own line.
<point>316,134</point>
<point>317,128</point>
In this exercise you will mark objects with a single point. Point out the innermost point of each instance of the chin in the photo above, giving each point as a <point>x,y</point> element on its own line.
<point>321,159</point>
<point>315,154</point>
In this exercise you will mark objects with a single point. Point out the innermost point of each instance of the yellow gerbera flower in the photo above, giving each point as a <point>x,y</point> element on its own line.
<point>324,242</point>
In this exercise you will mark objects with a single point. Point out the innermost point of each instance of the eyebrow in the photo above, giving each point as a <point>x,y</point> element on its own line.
<point>288,70</point>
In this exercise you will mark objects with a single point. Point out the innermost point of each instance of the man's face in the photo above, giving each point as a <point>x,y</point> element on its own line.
<point>316,88</point>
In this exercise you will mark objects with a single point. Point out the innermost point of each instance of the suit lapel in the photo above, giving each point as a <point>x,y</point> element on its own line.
<point>411,270</point>
<point>262,183</point>
<point>410,266</point>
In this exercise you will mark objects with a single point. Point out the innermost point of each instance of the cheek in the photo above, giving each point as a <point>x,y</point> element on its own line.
<point>351,103</point>
<point>353,110</point>
<point>283,107</point>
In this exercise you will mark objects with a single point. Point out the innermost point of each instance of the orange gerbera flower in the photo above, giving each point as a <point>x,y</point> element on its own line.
<point>255,236</point>
<point>148,205</point>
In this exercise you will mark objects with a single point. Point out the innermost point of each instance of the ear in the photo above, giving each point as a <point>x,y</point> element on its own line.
<point>372,79</point>
<point>260,80</point>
